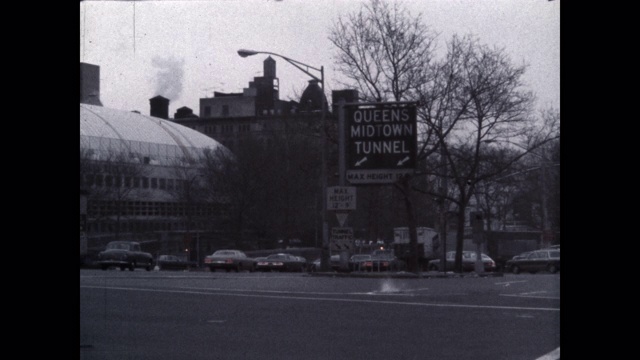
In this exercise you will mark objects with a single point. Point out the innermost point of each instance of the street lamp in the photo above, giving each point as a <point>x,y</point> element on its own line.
<point>324,263</point>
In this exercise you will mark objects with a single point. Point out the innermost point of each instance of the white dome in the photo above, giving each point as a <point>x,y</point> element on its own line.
<point>105,129</point>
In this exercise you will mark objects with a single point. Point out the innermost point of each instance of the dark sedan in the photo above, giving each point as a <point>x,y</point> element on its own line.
<point>387,262</point>
<point>229,260</point>
<point>172,262</point>
<point>125,255</point>
<point>539,260</point>
<point>281,262</point>
<point>468,262</point>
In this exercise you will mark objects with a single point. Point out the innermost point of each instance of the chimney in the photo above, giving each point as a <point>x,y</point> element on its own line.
<point>159,107</point>
<point>90,84</point>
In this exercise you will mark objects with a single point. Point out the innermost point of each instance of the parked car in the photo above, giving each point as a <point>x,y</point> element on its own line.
<point>281,262</point>
<point>534,261</point>
<point>125,255</point>
<point>468,262</point>
<point>334,264</point>
<point>386,262</point>
<point>172,262</point>
<point>360,262</point>
<point>520,256</point>
<point>229,260</point>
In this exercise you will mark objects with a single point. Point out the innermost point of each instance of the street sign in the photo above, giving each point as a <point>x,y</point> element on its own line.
<point>381,142</point>
<point>341,198</point>
<point>342,239</point>
<point>342,217</point>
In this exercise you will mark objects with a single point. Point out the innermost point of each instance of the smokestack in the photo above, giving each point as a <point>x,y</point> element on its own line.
<point>90,84</point>
<point>159,107</point>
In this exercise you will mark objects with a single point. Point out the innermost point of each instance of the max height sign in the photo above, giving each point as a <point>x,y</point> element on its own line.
<point>381,142</point>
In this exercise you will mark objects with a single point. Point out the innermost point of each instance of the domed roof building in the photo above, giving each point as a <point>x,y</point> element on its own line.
<point>140,181</point>
<point>105,130</point>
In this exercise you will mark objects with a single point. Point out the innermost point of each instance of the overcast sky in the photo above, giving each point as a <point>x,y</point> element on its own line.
<point>184,50</point>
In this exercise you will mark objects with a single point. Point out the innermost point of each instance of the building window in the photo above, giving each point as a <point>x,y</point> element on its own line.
<point>207,111</point>
<point>145,182</point>
<point>136,182</point>
<point>90,179</point>
<point>169,184</point>
<point>163,184</point>
<point>225,110</point>
<point>154,183</point>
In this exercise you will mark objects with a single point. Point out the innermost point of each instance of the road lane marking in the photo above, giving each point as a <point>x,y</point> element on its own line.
<point>325,299</point>
<point>510,282</point>
<point>531,296</point>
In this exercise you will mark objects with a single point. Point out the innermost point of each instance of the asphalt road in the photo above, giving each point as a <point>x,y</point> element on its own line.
<point>203,315</point>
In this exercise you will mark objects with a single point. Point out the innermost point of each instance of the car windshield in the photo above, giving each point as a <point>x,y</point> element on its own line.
<point>224,253</point>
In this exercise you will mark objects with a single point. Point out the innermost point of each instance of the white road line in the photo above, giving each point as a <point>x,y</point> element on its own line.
<point>531,296</point>
<point>510,282</point>
<point>328,299</point>
<point>554,355</point>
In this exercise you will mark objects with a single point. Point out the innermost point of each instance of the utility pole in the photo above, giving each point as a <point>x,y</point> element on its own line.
<point>443,208</point>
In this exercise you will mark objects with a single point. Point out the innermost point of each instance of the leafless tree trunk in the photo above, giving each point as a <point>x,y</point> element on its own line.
<point>109,177</point>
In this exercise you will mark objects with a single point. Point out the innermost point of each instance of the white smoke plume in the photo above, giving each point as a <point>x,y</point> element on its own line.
<point>169,76</point>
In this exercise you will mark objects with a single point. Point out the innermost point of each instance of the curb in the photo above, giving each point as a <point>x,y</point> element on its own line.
<point>406,275</point>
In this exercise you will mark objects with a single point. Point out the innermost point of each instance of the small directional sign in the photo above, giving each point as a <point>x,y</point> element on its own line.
<point>342,217</point>
<point>341,198</point>
<point>342,238</point>
<point>381,142</point>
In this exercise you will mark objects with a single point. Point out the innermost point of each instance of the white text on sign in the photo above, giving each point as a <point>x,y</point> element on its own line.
<point>341,198</point>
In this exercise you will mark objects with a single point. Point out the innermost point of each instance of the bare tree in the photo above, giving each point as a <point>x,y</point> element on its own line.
<point>477,97</point>
<point>109,177</point>
<point>269,184</point>
<point>473,96</point>
<point>189,192</point>
<point>382,50</point>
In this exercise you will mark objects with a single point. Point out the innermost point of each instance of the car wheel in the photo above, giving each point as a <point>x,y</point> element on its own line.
<point>515,269</point>
<point>132,266</point>
<point>239,268</point>
<point>105,267</point>
<point>552,269</point>
<point>433,267</point>
<point>149,266</point>
<point>212,269</point>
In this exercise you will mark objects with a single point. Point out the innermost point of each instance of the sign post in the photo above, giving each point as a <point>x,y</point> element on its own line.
<point>381,142</point>
<point>342,239</point>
